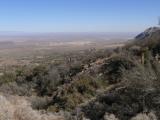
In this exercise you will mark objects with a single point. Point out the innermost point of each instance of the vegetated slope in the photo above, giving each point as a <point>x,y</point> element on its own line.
<point>95,85</point>
<point>137,92</point>
<point>58,87</point>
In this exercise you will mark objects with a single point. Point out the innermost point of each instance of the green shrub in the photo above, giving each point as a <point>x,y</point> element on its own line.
<point>112,69</point>
<point>7,77</point>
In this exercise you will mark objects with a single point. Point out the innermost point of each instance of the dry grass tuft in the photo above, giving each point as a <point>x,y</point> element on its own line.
<point>17,108</point>
<point>144,116</point>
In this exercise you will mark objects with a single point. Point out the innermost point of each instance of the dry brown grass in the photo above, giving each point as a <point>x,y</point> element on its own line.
<point>144,116</point>
<point>17,108</point>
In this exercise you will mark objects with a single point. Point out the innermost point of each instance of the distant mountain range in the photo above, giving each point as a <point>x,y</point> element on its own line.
<point>22,36</point>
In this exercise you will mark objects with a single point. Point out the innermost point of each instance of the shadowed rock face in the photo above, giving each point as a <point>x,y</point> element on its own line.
<point>150,32</point>
<point>148,38</point>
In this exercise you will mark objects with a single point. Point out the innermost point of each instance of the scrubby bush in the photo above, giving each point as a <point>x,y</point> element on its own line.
<point>112,69</point>
<point>143,76</point>
<point>78,91</point>
<point>39,103</point>
<point>7,77</point>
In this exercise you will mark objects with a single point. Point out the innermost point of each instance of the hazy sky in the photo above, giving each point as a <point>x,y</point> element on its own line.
<point>78,15</point>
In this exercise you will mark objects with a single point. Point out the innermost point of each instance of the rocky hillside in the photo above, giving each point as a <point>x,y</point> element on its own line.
<point>150,33</point>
